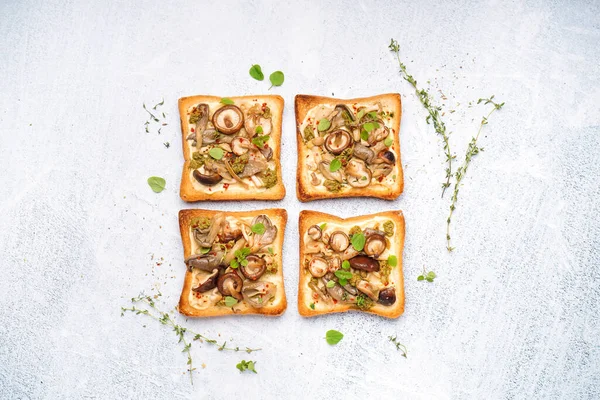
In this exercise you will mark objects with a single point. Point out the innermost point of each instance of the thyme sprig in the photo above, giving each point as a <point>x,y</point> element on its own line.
<point>180,331</point>
<point>472,150</point>
<point>399,346</point>
<point>154,118</point>
<point>434,114</point>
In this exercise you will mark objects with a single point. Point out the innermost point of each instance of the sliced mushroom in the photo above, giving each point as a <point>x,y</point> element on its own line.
<point>229,233</point>
<point>358,174</point>
<point>240,145</point>
<point>337,116</point>
<point>201,123</point>
<point>267,152</point>
<point>338,292</point>
<point>256,163</point>
<point>339,241</point>
<point>314,232</point>
<point>318,267</point>
<point>378,134</point>
<point>335,263</point>
<point>256,294</point>
<point>338,141</point>
<point>375,245</point>
<point>209,283</point>
<point>350,289</point>
<point>206,237</point>
<point>363,152</point>
<point>261,240</point>
<point>315,288</point>
<point>240,244</point>
<point>387,157</point>
<point>255,118</point>
<point>205,262</point>
<point>364,263</point>
<point>210,136</point>
<point>230,285</point>
<point>228,119</point>
<point>334,176</point>
<point>369,289</point>
<point>255,268</point>
<point>349,253</point>
<point>209,179</point>
<point>382,169</point>
<point>317,247</point>
<point>387,296</point>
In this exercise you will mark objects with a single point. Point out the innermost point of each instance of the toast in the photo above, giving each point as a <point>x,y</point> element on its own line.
<point>246,133</point>
<point>348,148</point>
<point>370,280</point>
<point>241,272</point>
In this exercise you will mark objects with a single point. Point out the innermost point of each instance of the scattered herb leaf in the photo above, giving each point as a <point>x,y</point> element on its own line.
<point>322,226</point>
<point>258,228</point>
<point>258,129</point>
<point>392,261</point>
<point>216,153</point>
<point>156,183</point>
<point>358,241</point>
<point>276,79</point>
<point>230,301</point>
<point>256,72</point>
<point>324,124</point>
<point>346,264</point>
<point>333,337</point>
<point>335,165</point>
<point>399,346</point>
<point>246,366</point>
<point>427,276</point>
<point>330,284</point>
<point>226,100</point>
<point>388,141</point>
<point>312,306</point>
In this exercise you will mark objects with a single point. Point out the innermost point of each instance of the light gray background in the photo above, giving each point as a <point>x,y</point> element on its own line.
<point>514,311</point>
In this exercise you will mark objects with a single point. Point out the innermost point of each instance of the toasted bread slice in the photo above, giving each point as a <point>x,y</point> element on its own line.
<point>311,303</point>
<point>194,305</point>
<point>311,182</point>
<point>191,190</point>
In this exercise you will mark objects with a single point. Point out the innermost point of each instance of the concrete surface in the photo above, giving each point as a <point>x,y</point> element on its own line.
<point>514,311</point>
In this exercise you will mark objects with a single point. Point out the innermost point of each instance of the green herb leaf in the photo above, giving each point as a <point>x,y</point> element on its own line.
<point>258,129</point>
<point>342,274</point>
<point>392,261</point>
<point>388,141</point>
<point>420,278</point>
<point>226,100</point>
<point>364,135</point>
<point>260,141</point>
<point>246,366</point>
<point>258,228</point>
<point>346,264</point>
<point>333,337</point>
<point>335,165</point>
<point>360,114</point>
<point>324,124</point>
<point>343,282</point>
<point>230,301</point>
<point>358,241</point>
<point>234,264</point>
<point>156,183</point>
<point>322,226</point>
<point>216,153</point>
<point>330,284</point>
<point>276,78</point>
<point>204,250</point>
<point>312,306</point>
<point>256,72</point>
<point>270,250</point>
<point>373,114</point>
<point>369,126</point>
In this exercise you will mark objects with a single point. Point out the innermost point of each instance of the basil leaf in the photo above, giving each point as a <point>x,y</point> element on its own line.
<point>388,141</point>
<point>330,284</point>
<point>259,228</point>
<point>324,124</point>
<point>226,100</point>
<point>346,265</point>
<point>341,274</point>
<point>392,261</point>
<point>259,130</point>
<point>333,337</point>
<point>230,301</point>
<point>156,183</point>
<point>335,165</point>
<point>358,241</point>
<point>276,78</point>
<point>256,72</point>
<point>216,153</point>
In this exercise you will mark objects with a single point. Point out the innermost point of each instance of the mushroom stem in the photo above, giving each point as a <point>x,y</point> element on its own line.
<point>234,175</point>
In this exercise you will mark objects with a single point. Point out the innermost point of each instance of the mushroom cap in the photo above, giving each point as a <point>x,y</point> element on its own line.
<point>375,245</point>
<point>209,283</point>
<point>314,232</point>
<point>339,241</point>
<point>338,141</point>
<point>230,284</point>
<point>256,294</point>
<point>205,262</point>
<point>207,179</point>
<point>387,296</point>
<point>228,119</point>
<point>358,174</point>
<point>364,263</point>
<point>318,267</point>
<point>255,269</point>
<point>369,289</point>
<point>387,157</point>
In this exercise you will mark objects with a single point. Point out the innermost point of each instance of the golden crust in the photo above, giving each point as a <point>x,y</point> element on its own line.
<point>279,217</point>
<point>190,194</point>
<point>305,191</point>
<point>308,218</point>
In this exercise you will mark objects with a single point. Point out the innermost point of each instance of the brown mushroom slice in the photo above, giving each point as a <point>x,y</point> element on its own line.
<point>240,244</point>
<point>267,152</point>
<point>209,283</point>
<point>375,245</point>
<point>205,262</point>
<point>255,268</point>
<point>314,232</point>
<point>387,157</point>
<point>209,179</point>
<point>335,263</point>
<point>241,145</point>
<point>315,288</point>
<point>318,267</point>
<point>363,152</point>
<point>339,241</point>
<point>334,176</point>
<point>266,238</point>
<point>380,170</point>
<point>338,293</point>
<point>206,238</point>
<point>228,119</point>
<point>387,296</point>
<point>378,134</point>
<point>340,115</point>
<point>359,175</point>
<point>229,233</point>
<point>364,263</point>
<point>369,289</point>
<point>257,294</point>
<point>349,253</point>
<point>230,284</point>
<point>201,124</point>
<point>338,141</point>
<point>350,289</point>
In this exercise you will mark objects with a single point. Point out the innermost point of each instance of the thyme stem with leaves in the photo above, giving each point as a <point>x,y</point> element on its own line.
<point>434,113</point>
<point>472,150</point>
<point>165,319</point>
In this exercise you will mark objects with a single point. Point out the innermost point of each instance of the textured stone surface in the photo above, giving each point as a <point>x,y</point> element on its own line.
<point>514,312</point>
